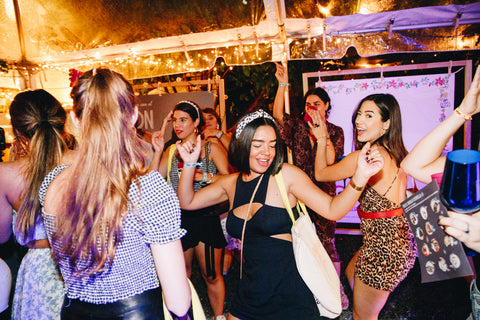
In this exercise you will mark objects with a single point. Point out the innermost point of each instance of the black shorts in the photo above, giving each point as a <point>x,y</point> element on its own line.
<point>201,228</point>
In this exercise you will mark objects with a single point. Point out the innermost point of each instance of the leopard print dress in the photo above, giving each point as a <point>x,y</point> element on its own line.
<point>388,251</point>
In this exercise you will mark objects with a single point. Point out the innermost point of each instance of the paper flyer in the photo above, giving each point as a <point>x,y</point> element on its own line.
<point>440,256</point>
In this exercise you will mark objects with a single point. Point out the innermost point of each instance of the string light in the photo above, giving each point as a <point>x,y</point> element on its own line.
<point>150,65</point>
<point>136,64</point>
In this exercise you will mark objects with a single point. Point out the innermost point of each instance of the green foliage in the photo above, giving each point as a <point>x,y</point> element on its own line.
<point>249,88</point>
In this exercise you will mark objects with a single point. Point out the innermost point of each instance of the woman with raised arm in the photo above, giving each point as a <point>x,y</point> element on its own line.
<point>388,251</point>
<point>299,137</point>
<point>114,228</point>
<point>204,238</point>
<point>426,163</point>
<point>270,285</point>
<point>38,123</point>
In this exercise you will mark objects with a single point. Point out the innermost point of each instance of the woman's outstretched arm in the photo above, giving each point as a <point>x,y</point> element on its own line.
<point>424,160</point>
<point>369,163</point>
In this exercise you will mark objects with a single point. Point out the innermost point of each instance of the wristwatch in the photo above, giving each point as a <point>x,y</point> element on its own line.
<point>219,134</point>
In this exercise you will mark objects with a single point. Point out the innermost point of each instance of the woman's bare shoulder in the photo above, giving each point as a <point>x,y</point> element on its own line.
<point>11,169</point>
<point>228,179</point>
<point>291,172</point>
<point>69,156</point>
<point>12,178</point>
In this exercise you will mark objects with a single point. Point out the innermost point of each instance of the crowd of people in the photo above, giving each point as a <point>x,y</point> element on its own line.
<point>112,228</point>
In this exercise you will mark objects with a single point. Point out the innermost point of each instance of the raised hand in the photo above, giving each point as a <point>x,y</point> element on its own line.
<point>471,102</point>
<point>190,151</point>
<point>369,163</point>
<point>158,137</point>
<point>281,74</point>
<point>318,125</point>
<point>210,133</point>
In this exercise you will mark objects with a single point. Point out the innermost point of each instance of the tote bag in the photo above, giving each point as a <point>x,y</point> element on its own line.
<point>313,262</point>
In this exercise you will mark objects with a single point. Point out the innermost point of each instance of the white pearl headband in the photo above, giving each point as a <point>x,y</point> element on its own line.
<point>249,118</point>
<point>192,104</point>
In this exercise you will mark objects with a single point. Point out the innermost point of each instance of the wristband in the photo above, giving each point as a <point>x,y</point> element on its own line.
<point>462,115</point>
<point>354,186</point>
<point>192,165</point>
<point>284,84</point>
<point>204,178</point>
<point>219,134</point>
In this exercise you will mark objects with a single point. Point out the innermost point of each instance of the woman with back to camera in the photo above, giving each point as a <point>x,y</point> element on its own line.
<point>204,238</point>
<point>298,136</point>
<point>270,286</point>
<point>388,250</point>
<point>114,229</point>
<point>38,123</point>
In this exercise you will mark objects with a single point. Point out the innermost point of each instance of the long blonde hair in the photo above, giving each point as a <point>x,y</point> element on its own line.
<point>110,158</point>
<point>38,122</point>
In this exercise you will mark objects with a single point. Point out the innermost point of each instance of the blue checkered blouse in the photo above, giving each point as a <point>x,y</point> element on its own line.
<point>156,220</point>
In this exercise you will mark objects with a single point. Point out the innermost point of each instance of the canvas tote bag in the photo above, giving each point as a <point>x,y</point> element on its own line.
<point>313,262</point>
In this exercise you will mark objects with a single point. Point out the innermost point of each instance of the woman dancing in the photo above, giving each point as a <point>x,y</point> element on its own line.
<point>388,251</point>
<point>114,228</point>
<point>204,239</point>
<point>270,286</point>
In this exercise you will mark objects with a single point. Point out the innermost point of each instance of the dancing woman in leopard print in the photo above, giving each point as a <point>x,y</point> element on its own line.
<point>388,250</point>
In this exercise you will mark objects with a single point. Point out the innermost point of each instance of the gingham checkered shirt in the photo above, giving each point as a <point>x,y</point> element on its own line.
<point>156,220</point>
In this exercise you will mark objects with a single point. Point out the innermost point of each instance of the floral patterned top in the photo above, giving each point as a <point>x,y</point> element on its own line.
<point>295,132</point>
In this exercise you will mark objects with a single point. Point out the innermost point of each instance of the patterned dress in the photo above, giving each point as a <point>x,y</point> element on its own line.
<point>39,288</point>
<point>388,251</point>
<point>295,133</point>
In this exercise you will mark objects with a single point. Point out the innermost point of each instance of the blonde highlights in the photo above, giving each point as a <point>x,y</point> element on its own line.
<point>110,158</point>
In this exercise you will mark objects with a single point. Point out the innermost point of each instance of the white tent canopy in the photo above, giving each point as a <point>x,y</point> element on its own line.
<point>44,39</point>
<point>269,31</point>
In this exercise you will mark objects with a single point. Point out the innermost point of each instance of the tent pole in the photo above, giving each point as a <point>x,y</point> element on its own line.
<point>21,38</point>
<point>280,6</point>
<point>221,100</point>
